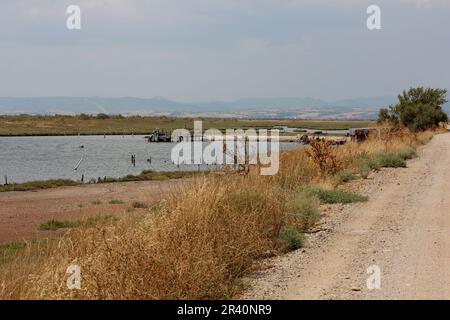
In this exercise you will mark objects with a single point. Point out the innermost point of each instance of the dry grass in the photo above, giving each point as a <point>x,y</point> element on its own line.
<point>196,245</point>
<point>324,156</point>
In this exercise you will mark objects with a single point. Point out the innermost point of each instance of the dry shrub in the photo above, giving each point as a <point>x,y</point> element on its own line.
<point>324,156</point>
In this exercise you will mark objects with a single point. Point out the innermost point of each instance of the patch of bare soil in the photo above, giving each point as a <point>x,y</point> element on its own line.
<point>21,213</point>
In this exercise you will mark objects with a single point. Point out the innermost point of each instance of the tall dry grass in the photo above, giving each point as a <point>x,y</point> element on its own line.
<point>196,245</point>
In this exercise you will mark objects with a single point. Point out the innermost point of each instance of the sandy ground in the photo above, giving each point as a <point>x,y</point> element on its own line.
<point>21,213</point>
<point>404,230</point>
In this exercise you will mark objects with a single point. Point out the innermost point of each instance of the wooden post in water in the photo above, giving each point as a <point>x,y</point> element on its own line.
<point>247,155</point>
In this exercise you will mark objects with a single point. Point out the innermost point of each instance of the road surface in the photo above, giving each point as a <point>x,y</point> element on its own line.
<point>403,231</point>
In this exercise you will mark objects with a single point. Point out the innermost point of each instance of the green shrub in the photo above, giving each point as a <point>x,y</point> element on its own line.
<point>103,116</point>
<point>53,225</point>
<point>418,109</point>
<point>139,205</point>
<point>407,153</point>
<point>290,239</point>
<point>345,176</point>
<point>84,116</point>
<point>302,210</point>
<point>390,160</point>
<point>115,201</point>
<point>334,196</point>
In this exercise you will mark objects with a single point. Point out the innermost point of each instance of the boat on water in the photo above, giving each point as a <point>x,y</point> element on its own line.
<point>159,136</point>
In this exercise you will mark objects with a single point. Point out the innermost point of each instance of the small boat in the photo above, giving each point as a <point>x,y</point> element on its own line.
<point>158,136</point>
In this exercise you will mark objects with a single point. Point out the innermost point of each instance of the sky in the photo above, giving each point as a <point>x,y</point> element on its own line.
<point>207,50</point>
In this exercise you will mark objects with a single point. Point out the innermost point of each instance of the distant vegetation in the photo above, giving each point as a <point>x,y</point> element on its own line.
<point>418,109</point>
<point>139,205</point>
<point>146,175</point>
<point>37,185</point>
<point>83,124</point>
<point>375,161</point>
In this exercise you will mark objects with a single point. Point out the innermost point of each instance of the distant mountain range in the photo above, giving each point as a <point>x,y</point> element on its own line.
<point>281,107</point>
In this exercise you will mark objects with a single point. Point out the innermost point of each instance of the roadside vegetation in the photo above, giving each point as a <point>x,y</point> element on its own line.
<point>37,185</point>
<point>200,242</point>
<point>139,205</point>
<point>335,196</point>
<point>417,109</point>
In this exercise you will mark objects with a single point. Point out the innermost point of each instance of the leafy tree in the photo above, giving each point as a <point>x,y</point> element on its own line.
<point>102,116</point>
<point>418,109</point>
<point>84,116</point>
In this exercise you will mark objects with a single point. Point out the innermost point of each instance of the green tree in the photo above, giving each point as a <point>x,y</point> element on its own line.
<point>84,116</point>
<point>418,109</point>
<point>102,116</point>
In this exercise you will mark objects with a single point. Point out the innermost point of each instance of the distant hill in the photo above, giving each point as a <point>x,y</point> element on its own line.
<point>277,107</point>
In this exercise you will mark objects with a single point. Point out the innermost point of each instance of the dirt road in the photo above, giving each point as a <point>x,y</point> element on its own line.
<point>21,213</point>
<point>404,230</point>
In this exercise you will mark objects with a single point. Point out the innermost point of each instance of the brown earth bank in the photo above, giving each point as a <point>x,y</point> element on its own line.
<point>404,229</point>
<point>21,213</point>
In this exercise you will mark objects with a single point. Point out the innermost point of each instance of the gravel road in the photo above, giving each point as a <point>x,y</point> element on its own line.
<point>403,232</point>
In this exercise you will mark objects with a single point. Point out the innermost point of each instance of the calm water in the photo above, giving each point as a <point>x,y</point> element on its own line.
<point>41,158</point>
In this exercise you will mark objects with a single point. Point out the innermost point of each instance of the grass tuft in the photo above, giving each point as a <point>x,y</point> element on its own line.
<point>139,205</point>
<point>345,176</point>
<point>302,210</point>
<point>290,239</point>
<point>334,196</point>
<point>116,201</point>
<point>98,221</point>
<point>53,225</point>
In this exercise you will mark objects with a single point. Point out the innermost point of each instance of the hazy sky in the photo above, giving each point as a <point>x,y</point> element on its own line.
<point>196,50</point>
